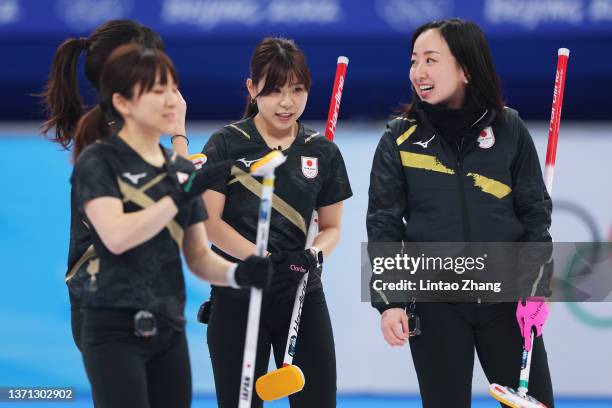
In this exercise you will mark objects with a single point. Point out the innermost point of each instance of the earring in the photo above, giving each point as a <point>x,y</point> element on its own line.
<point>253,101</point>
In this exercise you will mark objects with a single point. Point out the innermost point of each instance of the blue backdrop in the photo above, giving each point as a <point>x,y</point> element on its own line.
<point>211,42</point>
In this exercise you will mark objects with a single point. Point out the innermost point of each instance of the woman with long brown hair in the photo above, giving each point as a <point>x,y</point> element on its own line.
<point>64,108</point>
<point>142,204</point>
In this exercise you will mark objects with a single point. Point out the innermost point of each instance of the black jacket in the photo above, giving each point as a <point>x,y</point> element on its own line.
<point>148,276</point>
<point>313,176</point>
<point>488,187</point>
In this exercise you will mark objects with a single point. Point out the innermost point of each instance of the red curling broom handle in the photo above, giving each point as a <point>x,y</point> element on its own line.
<point>555,117</point>
<point>334,104</point>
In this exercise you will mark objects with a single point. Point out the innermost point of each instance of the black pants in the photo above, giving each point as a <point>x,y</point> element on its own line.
<point>132,372</point>
<point>76,321</point>
<point>315,353</point>
<point>443,354</point>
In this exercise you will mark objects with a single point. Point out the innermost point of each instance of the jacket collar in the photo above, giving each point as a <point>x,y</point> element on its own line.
<point>248,126</point>
<point>429,130</point>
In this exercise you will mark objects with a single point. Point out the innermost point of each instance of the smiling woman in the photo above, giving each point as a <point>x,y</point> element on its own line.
<point>456,166</point>
<point>142,204</point>
<point>314,176</point>
<point>435,75</point>
<point>451,64</point>
<point>64,108</point>
<point>278,90</point>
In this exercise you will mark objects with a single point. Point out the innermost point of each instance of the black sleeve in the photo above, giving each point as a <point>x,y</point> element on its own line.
<point>336,187</point>
<point>216,151</point>
<point>198,212</point>
<point>387,194</point>
<point>386,208</point>
<point>532,203</point>
<point>93,177</point>
<point>533,208</point>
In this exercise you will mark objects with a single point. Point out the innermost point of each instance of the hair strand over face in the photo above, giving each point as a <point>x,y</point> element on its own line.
<point>277,61</point>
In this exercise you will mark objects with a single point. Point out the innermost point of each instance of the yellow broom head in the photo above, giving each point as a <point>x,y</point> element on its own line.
<point>268,163</point>
<point>198,159</point>
<point>280,383</point>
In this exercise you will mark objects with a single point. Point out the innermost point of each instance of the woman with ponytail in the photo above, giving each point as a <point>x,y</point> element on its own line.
<point>62,99</point>
<point>143,204</point>
<point>64,108</point>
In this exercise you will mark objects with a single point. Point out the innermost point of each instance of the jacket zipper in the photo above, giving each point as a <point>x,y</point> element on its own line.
<point>459,173</point>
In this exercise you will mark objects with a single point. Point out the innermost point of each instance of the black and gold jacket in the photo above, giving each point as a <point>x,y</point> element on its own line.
<point>488,187</point>
<point>313,176</point>
<point>148,276</point>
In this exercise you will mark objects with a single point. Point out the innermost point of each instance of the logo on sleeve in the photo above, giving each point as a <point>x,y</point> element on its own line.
<point>486,139</point>
<point>310,167</point>
<point>134,177</point>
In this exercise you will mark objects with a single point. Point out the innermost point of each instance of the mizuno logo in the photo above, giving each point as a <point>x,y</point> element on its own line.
<point>134,177</point>
<point>424,144</point>
<point>248,163</point>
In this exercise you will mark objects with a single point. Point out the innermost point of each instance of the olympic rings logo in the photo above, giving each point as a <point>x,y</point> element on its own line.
<point>580,263</point>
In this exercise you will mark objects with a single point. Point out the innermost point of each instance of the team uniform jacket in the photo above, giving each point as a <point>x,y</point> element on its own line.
<point>148,276</point>
<point>80,251</point>
<point>313,176</point>
<point>488,187</point>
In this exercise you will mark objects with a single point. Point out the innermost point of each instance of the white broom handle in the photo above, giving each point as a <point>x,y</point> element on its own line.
<point>300,295</point>
<point>525,369</point>
<point>247,379</point>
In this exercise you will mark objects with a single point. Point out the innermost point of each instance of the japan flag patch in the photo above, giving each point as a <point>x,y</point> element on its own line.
<point>486,139</point>
<point>310,167</point>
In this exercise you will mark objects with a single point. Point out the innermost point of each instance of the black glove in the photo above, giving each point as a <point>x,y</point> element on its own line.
<point>190,183</point>
<point>255,271</point>
<point>293,265</point>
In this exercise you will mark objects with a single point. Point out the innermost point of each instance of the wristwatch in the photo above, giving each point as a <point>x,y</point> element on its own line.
<point>318,254</point>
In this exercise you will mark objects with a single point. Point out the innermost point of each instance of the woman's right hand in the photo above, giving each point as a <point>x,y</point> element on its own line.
<point>254,272</point>
<point>394,326</point>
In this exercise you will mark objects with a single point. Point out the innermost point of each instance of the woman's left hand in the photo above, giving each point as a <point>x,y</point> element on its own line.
<point>293,265</point>
<point>532,313</point>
